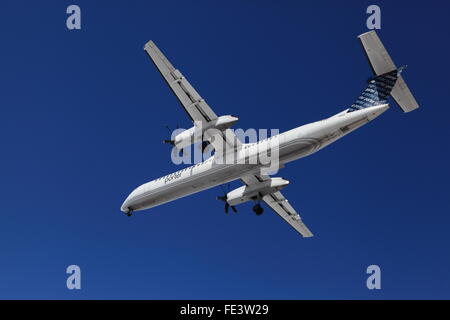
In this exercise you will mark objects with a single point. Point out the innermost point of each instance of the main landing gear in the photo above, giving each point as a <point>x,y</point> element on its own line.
<point>258,209</point>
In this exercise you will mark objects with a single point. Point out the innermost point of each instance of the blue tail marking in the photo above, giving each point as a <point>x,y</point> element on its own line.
<point>377,91</point>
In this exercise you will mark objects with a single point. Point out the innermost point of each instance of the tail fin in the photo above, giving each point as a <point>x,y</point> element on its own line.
<point>382,66</point>
<point>377,91</point>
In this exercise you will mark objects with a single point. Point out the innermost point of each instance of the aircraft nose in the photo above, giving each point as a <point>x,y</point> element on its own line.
<point>127,204</point>
<point>131,200</point>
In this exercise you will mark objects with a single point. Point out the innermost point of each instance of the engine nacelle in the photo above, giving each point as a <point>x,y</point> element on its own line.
<point>247,193</point>
<point>195,134</point>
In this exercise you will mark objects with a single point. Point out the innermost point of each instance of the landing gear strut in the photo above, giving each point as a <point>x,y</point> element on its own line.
<point>258,209</point>
<point>129,212</point>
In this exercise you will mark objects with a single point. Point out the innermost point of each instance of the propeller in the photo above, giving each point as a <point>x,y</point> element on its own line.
<point>170,133</point>
<point>171,142</point>
<point>224,199</point>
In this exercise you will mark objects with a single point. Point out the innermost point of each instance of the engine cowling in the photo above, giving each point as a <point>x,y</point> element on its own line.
<point>247,193</point>
<point>195,134</point>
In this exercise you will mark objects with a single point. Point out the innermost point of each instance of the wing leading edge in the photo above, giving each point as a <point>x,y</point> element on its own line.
<point>194,105</point>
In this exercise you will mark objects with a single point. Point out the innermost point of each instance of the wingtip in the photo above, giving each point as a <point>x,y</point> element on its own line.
<point>368,32</point>
<point>149,43</point>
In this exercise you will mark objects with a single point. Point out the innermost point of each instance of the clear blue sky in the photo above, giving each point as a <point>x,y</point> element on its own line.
<point>83,116</point>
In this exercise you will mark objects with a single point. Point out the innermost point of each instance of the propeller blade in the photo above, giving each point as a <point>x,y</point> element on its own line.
<point>224,199</point>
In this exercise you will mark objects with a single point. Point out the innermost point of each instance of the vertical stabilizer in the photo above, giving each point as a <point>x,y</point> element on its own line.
<point>377,92</point>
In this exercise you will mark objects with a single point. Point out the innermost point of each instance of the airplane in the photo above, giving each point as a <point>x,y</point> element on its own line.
<point>258,185</point>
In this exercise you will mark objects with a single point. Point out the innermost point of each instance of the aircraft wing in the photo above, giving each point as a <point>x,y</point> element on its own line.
<point>278,203</point>
<point>194,105</point>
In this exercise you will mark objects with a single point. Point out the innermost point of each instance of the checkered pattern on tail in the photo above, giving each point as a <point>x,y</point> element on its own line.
<point>377,91</point>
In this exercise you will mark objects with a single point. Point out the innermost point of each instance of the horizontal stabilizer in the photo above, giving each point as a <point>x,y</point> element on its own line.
<point>403,96</point>
<point>381,63</point>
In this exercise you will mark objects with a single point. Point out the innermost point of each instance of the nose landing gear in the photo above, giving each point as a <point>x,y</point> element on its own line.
<point>129,213</point>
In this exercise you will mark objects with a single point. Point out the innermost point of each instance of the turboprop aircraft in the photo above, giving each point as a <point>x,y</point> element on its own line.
<point>258,185</point>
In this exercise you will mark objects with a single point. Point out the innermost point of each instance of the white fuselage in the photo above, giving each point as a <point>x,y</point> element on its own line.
<point>291,145</point>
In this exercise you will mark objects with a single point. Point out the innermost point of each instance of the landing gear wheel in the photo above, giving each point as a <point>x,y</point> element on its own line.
<point>129,213</point>
<point>258,209</point>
